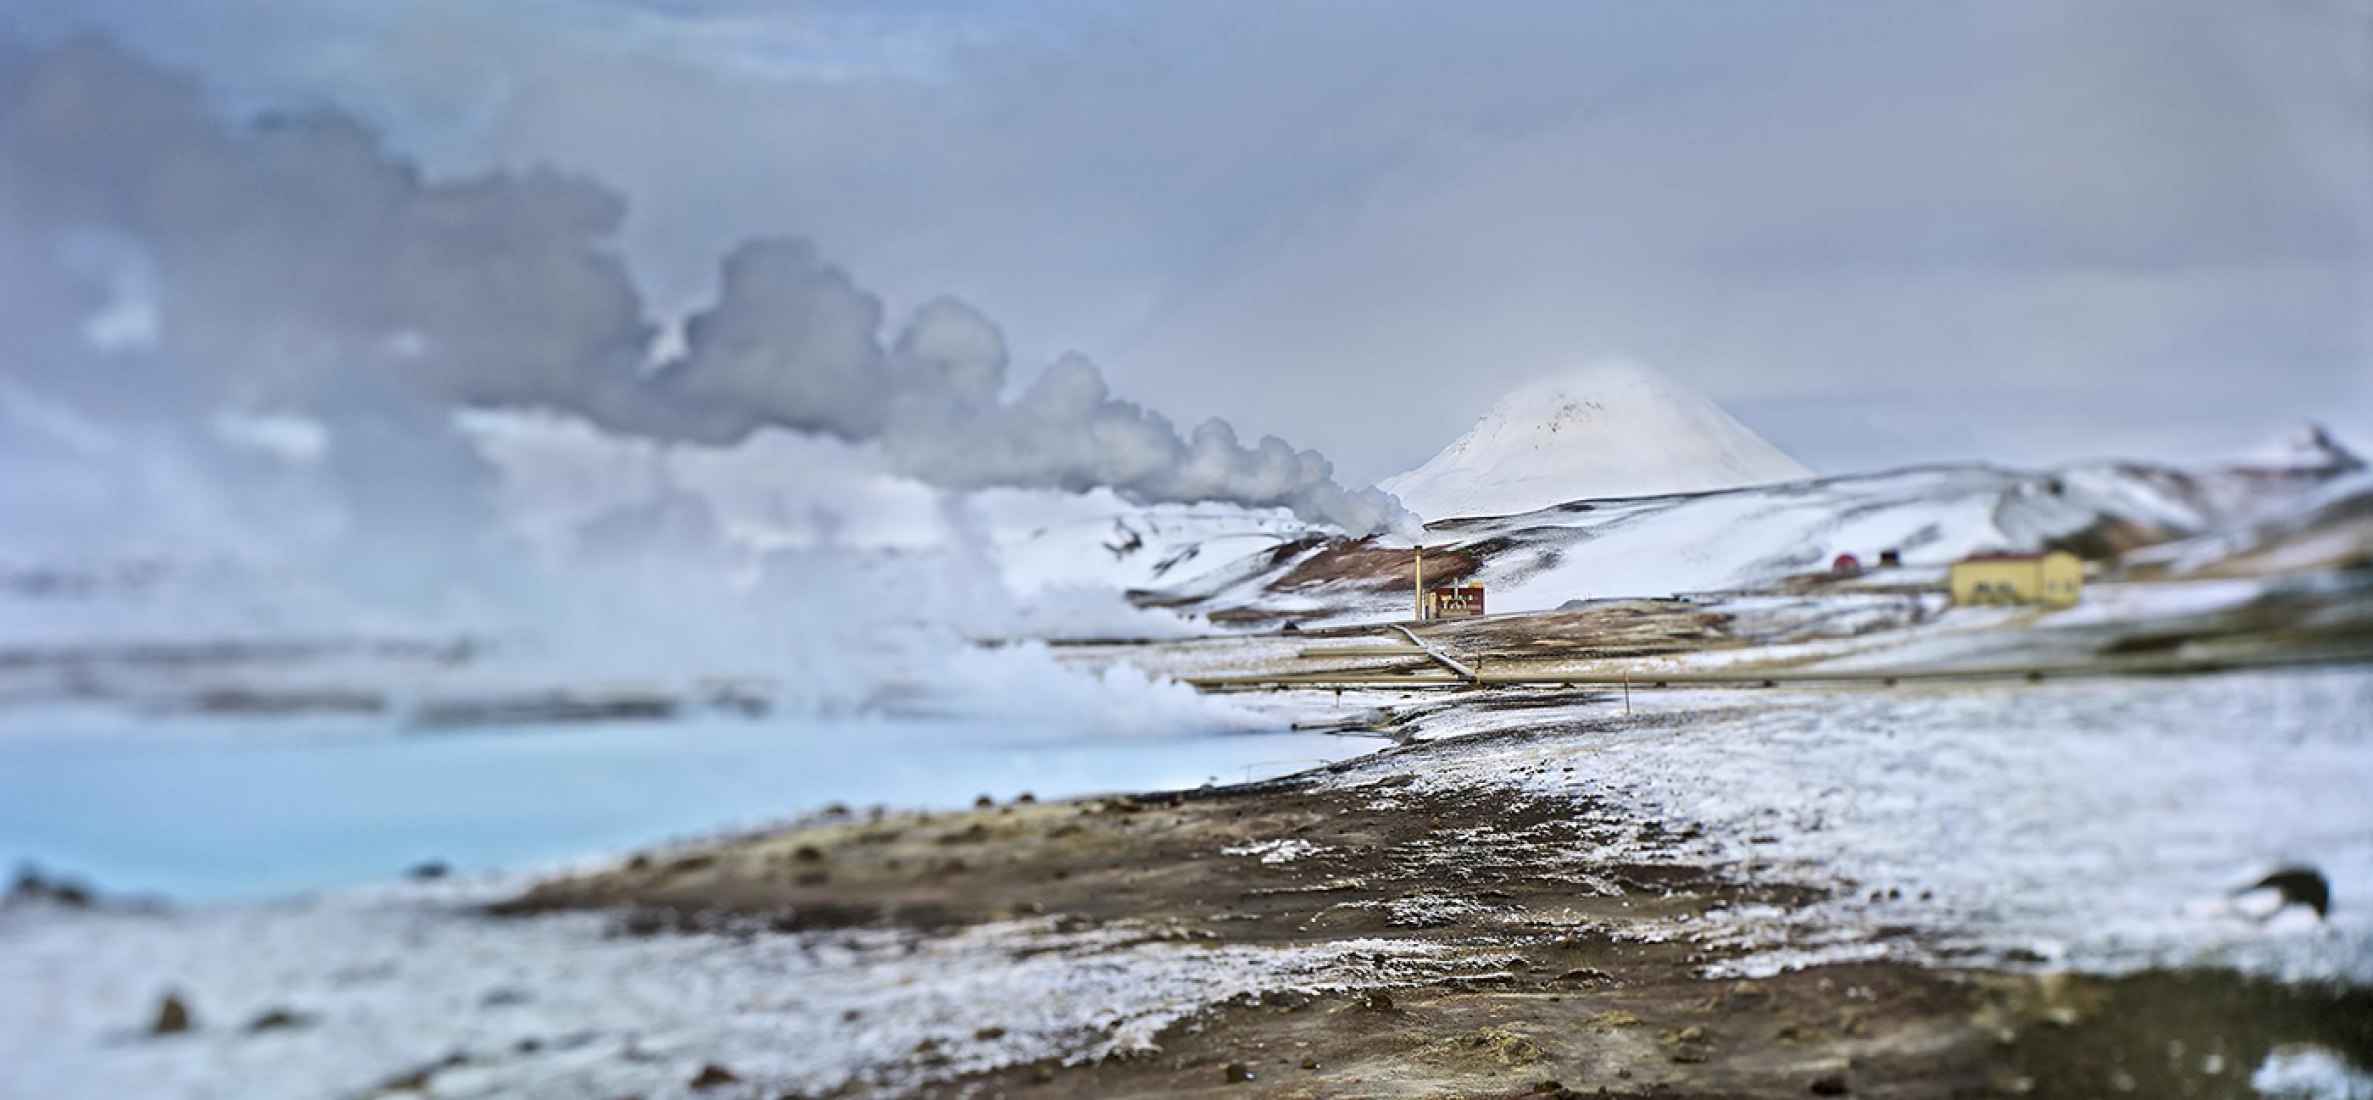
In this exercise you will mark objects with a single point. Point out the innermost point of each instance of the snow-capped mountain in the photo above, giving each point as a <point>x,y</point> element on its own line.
<point>2309,449</point>
<point>1615,429</point>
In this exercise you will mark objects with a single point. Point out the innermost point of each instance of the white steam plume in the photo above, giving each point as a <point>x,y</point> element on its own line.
<point>157,262</point>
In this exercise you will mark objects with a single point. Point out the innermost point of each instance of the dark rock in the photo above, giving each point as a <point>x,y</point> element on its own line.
<point>1309,1063</point>
<point>808,853</point>
<point>1237,1073</point>
<point>278,1019</point>
<point>987,1034</point>
<point>647,921</point>
<point>1042,1073</point>
<point>1690,1046</point>
<point>430,871</point>
<point>1830,1084</point>
<point>713,1075</point>
<point>32,885</point>
<point>1376,1000</point>
<point>173,1017</point>
<point>505,997</point>
<point>983,802</point>
<point>2298,885</point>
<point>1744,996</point>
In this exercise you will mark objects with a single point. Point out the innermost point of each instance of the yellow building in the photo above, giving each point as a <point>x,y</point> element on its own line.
<point>2055,579</point>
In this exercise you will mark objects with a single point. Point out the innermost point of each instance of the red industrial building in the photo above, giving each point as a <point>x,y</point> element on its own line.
<point>1464,601</point>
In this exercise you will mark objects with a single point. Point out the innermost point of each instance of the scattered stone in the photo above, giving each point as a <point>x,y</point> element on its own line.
<point>1830,1084</point>
<point>411,1081</point>
<point>1026,799</point>
<point>1744,996</point>
<point>277,1019</point>
<point>646,921</point>
<point>173,1017</point>
<point>430,871</point>
<point>983,802</point>
<point>1509,1048</point>
<point>504,997</point>
<point>988,1034</point>
<point>1237,1073</point>
<point>808,853</point>
<point>1309,1063</point>
<point>1042,1073</point>
<point>1376,1000</point>
<point>31,885</point>
<point>713,1075</point>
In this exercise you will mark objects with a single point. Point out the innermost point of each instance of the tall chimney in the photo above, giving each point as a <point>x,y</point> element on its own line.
<point>1420,582</point>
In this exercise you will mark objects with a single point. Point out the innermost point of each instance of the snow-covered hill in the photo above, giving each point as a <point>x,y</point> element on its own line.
<point>1753,537</point>
<point>1614,429</point>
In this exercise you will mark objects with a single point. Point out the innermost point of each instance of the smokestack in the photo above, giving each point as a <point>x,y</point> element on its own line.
<point>1419,581</point>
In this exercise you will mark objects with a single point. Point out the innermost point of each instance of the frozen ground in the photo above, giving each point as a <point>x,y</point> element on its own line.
<point>391,983</point>
<point>2098,824</point>
<point>2095,824</point>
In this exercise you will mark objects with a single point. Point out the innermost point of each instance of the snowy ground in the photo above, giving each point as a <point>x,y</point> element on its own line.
<point>390,983</point>
<point>2097,824</point>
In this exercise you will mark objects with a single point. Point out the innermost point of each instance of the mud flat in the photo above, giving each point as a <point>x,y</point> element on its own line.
<point>1484,945</point>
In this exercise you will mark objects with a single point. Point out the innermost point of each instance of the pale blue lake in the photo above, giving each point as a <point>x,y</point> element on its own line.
<point>221,811</point>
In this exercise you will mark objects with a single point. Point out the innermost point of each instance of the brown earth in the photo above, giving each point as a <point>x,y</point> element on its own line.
<point>1560,976</point>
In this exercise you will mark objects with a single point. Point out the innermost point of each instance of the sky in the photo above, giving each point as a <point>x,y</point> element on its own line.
<point>1878,234</point>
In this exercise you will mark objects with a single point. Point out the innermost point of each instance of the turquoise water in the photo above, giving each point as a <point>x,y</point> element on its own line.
<point>222,812</point>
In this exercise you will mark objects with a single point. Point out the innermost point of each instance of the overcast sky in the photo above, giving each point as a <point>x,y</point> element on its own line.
<point>1878,233</point>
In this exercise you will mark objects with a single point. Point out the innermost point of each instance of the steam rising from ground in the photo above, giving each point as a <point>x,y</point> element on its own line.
<point>159,261</point>
<point>269,342</point>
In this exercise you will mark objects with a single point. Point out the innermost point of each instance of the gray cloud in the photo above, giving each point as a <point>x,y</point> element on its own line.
<point>297,266</point>
<point>1358,225</point>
